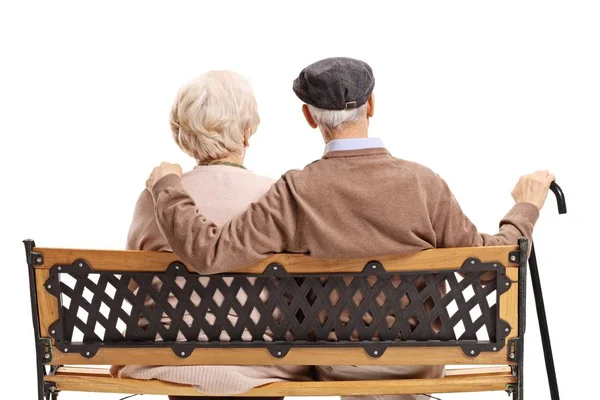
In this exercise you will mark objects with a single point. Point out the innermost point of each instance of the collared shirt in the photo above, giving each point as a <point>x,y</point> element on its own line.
<point>353,144</point>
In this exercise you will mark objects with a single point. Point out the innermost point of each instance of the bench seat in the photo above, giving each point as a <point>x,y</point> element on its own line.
<point>84,379</point>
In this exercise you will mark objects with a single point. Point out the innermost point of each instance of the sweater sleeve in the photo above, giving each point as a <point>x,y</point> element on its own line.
<point>144,233</point>
<point>453,228</point>
<point>267,226</point>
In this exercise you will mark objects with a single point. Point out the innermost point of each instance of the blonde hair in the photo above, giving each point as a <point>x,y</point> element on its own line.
<point>330,120</point>
<point>212,114</point>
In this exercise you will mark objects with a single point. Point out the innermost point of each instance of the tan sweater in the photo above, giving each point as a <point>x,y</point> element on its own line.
<point>356,203</point>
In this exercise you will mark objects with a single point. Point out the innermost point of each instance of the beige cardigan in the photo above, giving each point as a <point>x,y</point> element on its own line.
<point>222,192</point>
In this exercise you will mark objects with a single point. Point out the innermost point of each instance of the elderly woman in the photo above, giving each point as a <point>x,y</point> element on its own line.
<point>212,120</point>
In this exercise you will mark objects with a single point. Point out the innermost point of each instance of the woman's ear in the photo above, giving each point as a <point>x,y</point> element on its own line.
<point>308,117</point>
<point>247,137</point>
<point>371,106</point>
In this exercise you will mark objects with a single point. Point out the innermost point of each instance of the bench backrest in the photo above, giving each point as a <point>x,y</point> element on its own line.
<point>442,306</point>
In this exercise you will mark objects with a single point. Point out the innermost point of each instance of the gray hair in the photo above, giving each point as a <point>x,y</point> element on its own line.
<point>212,114</point>
<point>330,120</point>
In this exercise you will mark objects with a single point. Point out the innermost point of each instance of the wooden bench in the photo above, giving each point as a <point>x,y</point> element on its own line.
<point>462,306</point>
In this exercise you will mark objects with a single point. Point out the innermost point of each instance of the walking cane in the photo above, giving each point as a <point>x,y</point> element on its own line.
<point>539,302</point>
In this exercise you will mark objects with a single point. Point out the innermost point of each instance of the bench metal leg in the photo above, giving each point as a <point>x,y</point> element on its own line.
<point>40,372</point>
<point>518,369</point>
<point>43,346</point>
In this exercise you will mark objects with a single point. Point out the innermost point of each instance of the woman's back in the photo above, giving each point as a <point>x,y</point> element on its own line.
<point>224,191</point>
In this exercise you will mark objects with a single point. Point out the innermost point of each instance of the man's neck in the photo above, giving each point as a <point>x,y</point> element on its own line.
<point>350,131</point>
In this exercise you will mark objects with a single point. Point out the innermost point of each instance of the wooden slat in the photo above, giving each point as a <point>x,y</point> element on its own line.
<point>457,383</point>
<point>296,356</point>
<point>513,273</point>
<point>47,304</point>
<point>142,261</point>
<point>84,371</point>
<point>481,371</point>
<point>509,308</point>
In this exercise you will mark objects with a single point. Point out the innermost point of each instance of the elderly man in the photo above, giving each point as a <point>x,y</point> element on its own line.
<point>357,201</point>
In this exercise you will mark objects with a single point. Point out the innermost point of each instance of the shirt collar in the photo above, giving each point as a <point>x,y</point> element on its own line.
<point>353,144</point>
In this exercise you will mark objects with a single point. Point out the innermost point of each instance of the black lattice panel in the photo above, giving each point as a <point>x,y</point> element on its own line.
<point>373,309</point>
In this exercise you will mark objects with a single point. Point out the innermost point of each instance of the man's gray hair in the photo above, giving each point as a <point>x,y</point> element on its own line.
<point>330,120</point>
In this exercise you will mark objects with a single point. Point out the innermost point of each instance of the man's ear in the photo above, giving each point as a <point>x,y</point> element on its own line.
<point>371,106</point>
<point>308,117</point>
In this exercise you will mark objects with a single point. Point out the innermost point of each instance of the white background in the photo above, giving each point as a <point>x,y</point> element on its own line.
<point>481,92</point>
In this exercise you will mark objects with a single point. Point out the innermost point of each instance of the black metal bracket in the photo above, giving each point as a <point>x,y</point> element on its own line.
<point>374,267</point>
<point>473,350</point>
<point>80,268</point>
<point>45,345</point>
<point>279,351</point>
<point>49,387</point>
<point>87,351</point>
<point>475,264</point>
<point>34,258</point>
<point>90,351</point>
<point>375,350</point>
<point>50,390</point>
<point>176,268</point>
<point>511,389</point>
<point>514,257</point>
<point>513,350</point>
<point>504,282</point>
<point>275,270</point>
<point>182,351</point>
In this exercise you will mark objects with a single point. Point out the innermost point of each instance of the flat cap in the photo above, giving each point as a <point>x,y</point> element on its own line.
<point>338,83</point>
